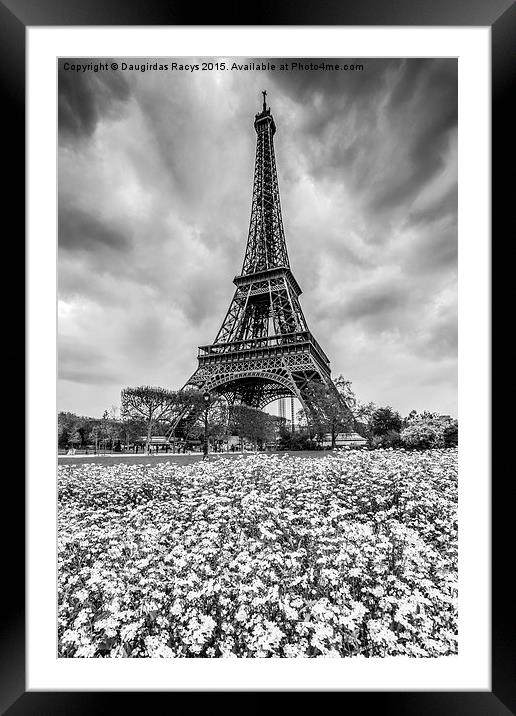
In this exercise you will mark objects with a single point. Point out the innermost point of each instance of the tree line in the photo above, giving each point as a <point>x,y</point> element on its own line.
<point>381,426</point>
<point>148,411</point>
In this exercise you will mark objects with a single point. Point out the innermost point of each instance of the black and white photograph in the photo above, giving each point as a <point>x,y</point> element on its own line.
<point>257,357</point>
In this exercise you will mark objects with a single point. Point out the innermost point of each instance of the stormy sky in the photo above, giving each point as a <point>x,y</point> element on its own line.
<point>155,180</point>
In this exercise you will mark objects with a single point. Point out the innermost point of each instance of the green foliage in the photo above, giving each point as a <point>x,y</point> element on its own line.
<point>384,420</point>
<point>346,391</point>
<point>108,431</point>
<point>420,436</point>
<point>218,419</point>
<point>75,439</point>
<point>297,440</point>
<point>132,429</point>
<point>327,410</point>
<point>254,425</point>
<point>362,429</point>
<point>390,439</point>
<point>152,405</point>
<point>363,413</point>
<point>451,434</point>
<point>69,426</point>
<point>429,430</point>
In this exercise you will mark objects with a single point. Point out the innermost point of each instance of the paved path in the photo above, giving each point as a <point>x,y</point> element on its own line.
<point>141,459</point>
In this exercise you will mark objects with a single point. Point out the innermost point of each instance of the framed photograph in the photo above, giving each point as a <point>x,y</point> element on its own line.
<point>156,562</point>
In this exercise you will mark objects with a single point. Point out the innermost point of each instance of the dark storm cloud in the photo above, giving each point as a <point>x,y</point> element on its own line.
<point>441,340</point>
<point>80,230</point>
<point>437,210</point>
<point>409,75</point>
<point>433,250</point>
<point>375,302</point>
<point>188,130</point>
<point>85,97</point>
<point>386,128</point>
<point>337,88</point>
<point>434,115</point>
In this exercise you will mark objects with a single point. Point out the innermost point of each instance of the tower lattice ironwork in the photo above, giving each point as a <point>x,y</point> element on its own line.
<point>264,349</point>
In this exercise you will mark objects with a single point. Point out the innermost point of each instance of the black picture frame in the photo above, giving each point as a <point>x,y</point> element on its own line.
<point>500,15</point>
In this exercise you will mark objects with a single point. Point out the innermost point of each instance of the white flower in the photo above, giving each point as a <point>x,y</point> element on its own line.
<point>187,572</point>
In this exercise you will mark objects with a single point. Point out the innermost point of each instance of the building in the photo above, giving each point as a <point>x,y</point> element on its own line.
<point>345,440</point>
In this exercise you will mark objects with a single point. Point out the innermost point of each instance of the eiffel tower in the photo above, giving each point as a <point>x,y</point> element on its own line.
<point>264,349</point>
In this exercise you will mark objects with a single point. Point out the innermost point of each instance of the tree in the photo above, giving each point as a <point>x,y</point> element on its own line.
<point>327,410</point>
<point>150,404</point>
<point>361,411</point>
<point>131,429</point>
<point>242,421</point>
<point>217,416</point>
<point>390,439</point>
<point>62,434</point>
<point>264,429</point>
<point>364,411</point>
<point>451,434</point>
<point>67,424</point>
<point>410,417</point>
<point>384,420</point>
<point>218,419</point>
<point>255,425</point>
<point>189,405</point>
<point>420,435</point>
<point>110,428</point>
<point>345,389</point>
<point>95,435</point>
<point>297,440</point>
<point>429,430</point>
<point>75,439</point>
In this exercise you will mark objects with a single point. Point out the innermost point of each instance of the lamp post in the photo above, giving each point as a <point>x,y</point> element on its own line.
<point>206,397</point>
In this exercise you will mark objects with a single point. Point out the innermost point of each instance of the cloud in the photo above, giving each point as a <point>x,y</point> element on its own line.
<point>383,132</point>
<point>82,231</point>
<point>376,301</point>
<point>80,362</point>
<point>433,249</point>
<point>84,98</point>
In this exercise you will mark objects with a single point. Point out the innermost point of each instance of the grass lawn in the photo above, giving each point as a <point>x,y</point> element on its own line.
<point>174,458</point>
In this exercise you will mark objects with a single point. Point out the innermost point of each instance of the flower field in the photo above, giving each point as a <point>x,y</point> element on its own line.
<point>260,556</point>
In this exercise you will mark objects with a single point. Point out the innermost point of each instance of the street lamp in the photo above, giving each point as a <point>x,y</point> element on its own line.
<point>206,397</point>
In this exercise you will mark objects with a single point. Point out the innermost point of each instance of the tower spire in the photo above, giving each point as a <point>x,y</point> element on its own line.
<point>266,247</point>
